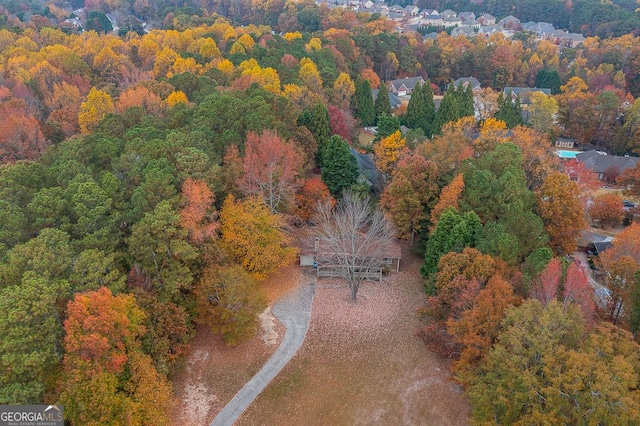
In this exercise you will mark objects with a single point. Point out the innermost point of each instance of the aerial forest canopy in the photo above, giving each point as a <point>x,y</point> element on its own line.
<point>149,181</point>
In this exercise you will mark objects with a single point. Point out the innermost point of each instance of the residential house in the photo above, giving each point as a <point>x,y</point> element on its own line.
<point>433,20</point>
<point>463,31</point>
<point>487,30</point>
<point>606,167</point>
<point>524,93</point>
<point>486,19</point>
<point>467,16</point>
<point>448,14</point>
<point>393,99</point>
<point>451,21</point>
<point>428,12</point>
<point>317,253</point>
<point>510,23</point>
<point>411,10</point>
<point>465,81</point>
<point>404,86</point>
<point>543,29</point>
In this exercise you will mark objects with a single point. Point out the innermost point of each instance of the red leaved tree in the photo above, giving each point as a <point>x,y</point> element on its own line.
<point>546,287</point>
<point>313,191</point>
<point>271,169</point>
<point>578,290</point>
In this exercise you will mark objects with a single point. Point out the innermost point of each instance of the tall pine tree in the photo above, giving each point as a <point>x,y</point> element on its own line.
<point>363,108</point>
<point>510,110</point>
<point>465,101</point>
<point>316,119</point>
<point>448,110</point>
<point>382,104</point>
<point>421,109</point>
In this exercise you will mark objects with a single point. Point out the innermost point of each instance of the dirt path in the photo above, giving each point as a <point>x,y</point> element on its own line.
<point>294,312</point>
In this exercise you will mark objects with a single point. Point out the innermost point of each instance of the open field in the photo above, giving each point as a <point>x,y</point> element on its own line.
<point>363,363</point>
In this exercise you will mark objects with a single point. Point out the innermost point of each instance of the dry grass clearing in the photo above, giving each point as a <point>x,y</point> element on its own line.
<point>212,372</point>
<point>364,364</point>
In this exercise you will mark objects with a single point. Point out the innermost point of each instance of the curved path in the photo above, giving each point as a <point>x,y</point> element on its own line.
<point>294,312</point>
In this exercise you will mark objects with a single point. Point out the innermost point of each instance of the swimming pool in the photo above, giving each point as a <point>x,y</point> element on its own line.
<point>562,153</point>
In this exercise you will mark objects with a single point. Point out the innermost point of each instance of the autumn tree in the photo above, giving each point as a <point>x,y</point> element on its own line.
<point>21,137</point>
<point>565,370</point>
<point>410,194</point>
<point>607,209</point>
<point>228,301</point>
<point>197,216</point>
<point>343,90</point>
<point>449,197</point>
<point>561,211</point>
<point>546,285</point>
<point>102,349</point>
<point>313,191</point>
<point>271,169</point>
<point>630,181</point>
<point>579,291</point>
<point>478,328</point>
<point>94,109</point>
<point>388,150</point>
<point>253,237</point>
<point>354,236</point>
<point>622,263</point>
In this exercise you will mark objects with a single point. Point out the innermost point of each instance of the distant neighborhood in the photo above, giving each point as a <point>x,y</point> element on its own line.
<point>467,24</point>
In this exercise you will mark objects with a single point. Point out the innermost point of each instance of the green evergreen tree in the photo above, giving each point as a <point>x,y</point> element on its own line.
<point>316,119</point>
<point>465,101</point>
<point>387,125</point>
<point>509,111</point>
<point>448,110</point>
<point>548,78</point>
<point>363,108</point>
<point>421,109</point>
<point>454,232</point>
<point>339,166</point>
<point>382,104</point>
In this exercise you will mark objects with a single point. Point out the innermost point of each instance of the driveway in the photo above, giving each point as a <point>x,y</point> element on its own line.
<point>294,311</point>
<point>601,291</point>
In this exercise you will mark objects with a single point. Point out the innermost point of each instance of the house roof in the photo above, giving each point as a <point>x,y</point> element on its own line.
<point>366,167</point>
<point>475,84</point>
<point>600,162</point>
<point>520,91</point>
<point>391,249</point>
<point>408,82</point>
<point>601,246</point>
<point>393,99</point>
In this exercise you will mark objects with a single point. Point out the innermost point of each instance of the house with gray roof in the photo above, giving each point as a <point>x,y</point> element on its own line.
<point>404,86</point>
<point>524,93</point>
<point>510,23</point>
<point>465,81</point>
<point>486,19</point>
<point>606,167</point>
<point>393,99</point>
<point>463,31</point>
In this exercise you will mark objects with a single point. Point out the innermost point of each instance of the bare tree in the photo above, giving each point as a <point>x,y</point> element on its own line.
<point>353,238</point>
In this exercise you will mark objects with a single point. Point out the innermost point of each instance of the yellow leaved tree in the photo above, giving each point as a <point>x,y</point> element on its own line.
<point>94,109</point>
<point>388,151</point>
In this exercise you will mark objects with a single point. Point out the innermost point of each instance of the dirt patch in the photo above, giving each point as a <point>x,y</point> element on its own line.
<point>362,363</point>
<point>212,373</point>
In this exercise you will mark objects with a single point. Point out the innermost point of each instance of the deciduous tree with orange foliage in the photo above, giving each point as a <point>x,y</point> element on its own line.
<point>313,191</point>
<point>561,211</point>
<point>102,351</point>
<point>478,328</point>
<point>197,215</point>
<point>271,169</point>
<point>410,194</point>
<point>607,209</point>
<point>449,197</point>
